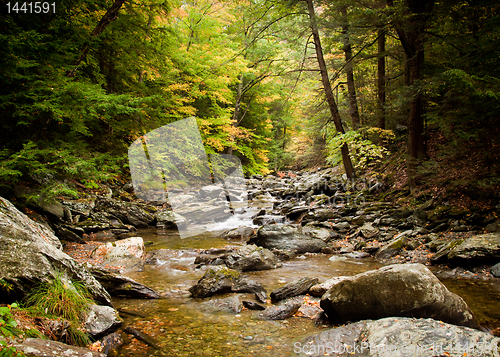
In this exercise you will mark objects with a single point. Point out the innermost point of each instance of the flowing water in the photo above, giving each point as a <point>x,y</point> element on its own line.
<point>184,326</point>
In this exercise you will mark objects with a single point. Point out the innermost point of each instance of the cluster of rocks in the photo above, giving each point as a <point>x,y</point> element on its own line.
<point>31,254</point>
<point>392,308</point>
<point>322,212</point>
<point>327,213</point>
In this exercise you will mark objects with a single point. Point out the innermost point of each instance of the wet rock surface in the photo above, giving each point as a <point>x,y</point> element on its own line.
<point>46,348</point>
<point>298,287</point>
<point>30,254</point>
<point>288,237</point>
<point>122,286</point>
<point>398,337</point>
<point>246,258</point>
<point>306,213</point>
<point>282,311</point>
<point>216,280</point>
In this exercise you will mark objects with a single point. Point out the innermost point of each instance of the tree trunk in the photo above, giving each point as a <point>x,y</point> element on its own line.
<point>351,89</point>
<point>381,79</point>
<point>109,16</point>
<point>349,169</point>
<point>237,109</point>
<point>411,35</point>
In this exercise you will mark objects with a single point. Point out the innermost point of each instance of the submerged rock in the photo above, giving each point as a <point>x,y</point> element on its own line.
<point>399,337</point>
<point>230,304</point>
<point>112,343</point>
<point>31,254</point>
<point>409,290</point>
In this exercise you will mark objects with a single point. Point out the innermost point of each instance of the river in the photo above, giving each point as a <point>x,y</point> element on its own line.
<point>184,326</point>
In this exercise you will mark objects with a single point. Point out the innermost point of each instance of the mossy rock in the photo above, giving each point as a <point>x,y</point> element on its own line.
<point>217,280</point>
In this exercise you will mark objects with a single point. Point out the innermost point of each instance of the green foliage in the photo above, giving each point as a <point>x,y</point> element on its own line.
<point>8,325</point>
<point>69,300</point>
<point>8,329</point>
<point>6,351</point>
<point>5,286</point>
<point>363,151</point>
<point>63,299</point>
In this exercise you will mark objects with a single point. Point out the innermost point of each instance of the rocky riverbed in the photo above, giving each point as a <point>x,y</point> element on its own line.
<point>286,251</point>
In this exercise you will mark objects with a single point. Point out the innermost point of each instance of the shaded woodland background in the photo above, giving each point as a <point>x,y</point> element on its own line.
<point>415,85</point>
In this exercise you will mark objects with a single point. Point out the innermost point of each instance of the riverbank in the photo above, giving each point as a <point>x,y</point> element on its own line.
<point>309,222</point>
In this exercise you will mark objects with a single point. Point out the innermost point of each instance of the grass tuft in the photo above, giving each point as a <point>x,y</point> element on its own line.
<point>63,299</point>
<point>69,300</point>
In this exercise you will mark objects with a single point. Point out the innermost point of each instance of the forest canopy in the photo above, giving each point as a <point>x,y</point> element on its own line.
<point>278,84</point>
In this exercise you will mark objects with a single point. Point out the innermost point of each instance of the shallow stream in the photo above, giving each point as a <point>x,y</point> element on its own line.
<point>184,326</point>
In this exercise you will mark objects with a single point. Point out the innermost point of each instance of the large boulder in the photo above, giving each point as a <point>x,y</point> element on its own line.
<point>482,248</point>
<point>409,290</point>
<point>399,337</point>
<point>127,212</point>
<point>46,348</point>
<point>251,257</point>
<point>273,236</point>
<point>31,254</point>
<point>126,253</point>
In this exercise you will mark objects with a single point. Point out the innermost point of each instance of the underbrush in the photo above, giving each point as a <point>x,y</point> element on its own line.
<point>463,178</point>
<point>54,310</point>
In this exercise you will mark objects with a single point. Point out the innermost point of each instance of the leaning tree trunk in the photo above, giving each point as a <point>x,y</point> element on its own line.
<point>109,16</point>
<point>351,89</point>
<point>346,159</point>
